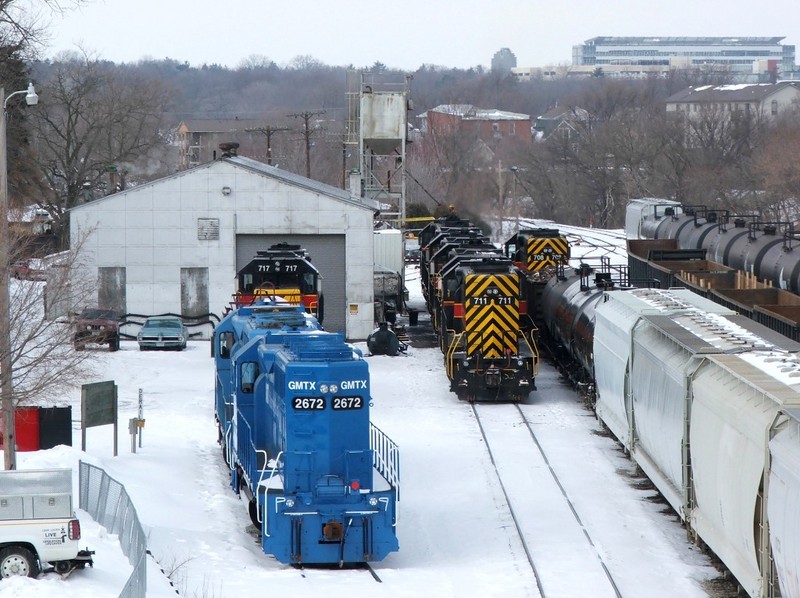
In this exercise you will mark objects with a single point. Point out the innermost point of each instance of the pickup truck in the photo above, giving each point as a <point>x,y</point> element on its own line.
<point>96,327</point>
<point>38,524</point>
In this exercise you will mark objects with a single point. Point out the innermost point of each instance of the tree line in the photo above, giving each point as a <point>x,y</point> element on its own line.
<point>101,126</point>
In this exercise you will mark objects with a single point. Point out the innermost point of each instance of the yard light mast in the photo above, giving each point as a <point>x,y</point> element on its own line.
<point>6,361</point>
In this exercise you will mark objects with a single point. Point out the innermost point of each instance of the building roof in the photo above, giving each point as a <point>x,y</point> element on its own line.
<point>220,125</point>
<point>693,41</point>
<point>301,181</point>
<point>470,112</point>
<point>260,168</point>
<point>563,113</point>
<point>745,92</point>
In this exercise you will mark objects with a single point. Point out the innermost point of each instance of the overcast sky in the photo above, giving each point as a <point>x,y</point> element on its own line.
<point>407,34</point>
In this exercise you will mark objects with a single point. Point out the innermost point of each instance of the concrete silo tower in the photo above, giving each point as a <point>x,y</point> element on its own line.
<point>378,120</point>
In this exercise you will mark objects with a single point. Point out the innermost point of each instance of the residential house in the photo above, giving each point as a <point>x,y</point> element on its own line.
<point>762,100</point>
<point>199,139</point>
<point>492,126</point>
<point>562,120</point>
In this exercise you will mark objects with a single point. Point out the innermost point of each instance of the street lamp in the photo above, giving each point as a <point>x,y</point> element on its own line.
<point>6,383</point>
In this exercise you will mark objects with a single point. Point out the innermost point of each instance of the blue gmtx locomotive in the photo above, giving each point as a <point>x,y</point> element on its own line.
<point>292,405</point>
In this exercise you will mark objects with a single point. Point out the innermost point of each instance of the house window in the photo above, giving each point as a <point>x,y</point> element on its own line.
<point>512,128</point>
<point>774,107</point>
<point>747,107</point>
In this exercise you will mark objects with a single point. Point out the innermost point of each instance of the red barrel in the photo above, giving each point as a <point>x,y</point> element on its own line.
<point>26,425</point>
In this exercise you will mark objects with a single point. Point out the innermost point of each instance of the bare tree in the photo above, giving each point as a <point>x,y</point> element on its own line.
<point>42,359</point>
<point>93,117</point>
<point>777,167</point>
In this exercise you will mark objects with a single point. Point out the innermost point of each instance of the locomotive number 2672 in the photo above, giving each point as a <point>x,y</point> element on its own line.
<point>308,403</point>
<point>347,402</point>
<point>318,403</point>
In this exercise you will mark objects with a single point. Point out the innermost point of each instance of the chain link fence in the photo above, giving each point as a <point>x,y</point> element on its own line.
<point>108,503</point>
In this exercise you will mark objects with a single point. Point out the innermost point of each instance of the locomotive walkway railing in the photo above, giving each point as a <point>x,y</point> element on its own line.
<point>385,457</point>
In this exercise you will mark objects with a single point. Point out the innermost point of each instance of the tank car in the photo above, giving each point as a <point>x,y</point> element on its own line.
<point>768,250</point>
<point>322,482</point>
<point>488,356</point>
<point>567,308</point>
<point>285,271</point>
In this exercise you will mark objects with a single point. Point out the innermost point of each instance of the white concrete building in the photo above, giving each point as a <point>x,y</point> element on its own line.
<point>176,244</point>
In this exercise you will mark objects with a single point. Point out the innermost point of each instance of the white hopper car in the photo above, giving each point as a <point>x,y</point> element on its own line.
<point>707,402</point>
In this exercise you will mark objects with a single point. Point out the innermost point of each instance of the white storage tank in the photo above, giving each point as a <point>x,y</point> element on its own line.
<point>388,250</point>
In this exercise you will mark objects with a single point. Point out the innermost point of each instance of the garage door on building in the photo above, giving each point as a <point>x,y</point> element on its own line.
<point>327,254</point>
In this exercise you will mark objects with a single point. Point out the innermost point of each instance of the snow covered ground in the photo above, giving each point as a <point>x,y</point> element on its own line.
<point>456,537</point>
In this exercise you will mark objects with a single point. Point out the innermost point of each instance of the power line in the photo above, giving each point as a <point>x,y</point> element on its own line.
<point>269,132</point>
<point>307,132</point>
<point>421,186</point>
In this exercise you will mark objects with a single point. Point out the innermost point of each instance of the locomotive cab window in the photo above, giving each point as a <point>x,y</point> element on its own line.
<point>307,284</point>
<point>249,373</point>
<point>225,344</point>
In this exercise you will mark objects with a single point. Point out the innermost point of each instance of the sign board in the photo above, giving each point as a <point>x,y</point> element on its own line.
<point>98,408</point>
<point>98,404</point>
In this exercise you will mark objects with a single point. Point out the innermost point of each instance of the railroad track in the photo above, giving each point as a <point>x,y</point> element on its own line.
<point>560,551</point>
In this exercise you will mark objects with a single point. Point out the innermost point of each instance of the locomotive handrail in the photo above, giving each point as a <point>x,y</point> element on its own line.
<point>228,447</point>
<point>386,459</point>
<point>535,352</point>
<point>454,344</point>
<point>265,527</point>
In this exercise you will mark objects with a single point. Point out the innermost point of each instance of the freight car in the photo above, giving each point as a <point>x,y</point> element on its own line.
<point>479,309</point>
<point>705,401</point>
<point>293,405</point>
<point>283,270</point>
<point>739,262</point>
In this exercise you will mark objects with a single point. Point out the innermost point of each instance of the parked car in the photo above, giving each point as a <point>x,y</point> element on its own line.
<point>97,327</point>
<point>162,332</point>
<point>28,270</point>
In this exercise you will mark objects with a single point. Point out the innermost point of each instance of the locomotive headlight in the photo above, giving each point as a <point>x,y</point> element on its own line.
<point>323,388</point>
<point>334,388</point>
<point>465,363</point>
<point>373,501</point>
<point>289,502</point>
<point>520,363</point>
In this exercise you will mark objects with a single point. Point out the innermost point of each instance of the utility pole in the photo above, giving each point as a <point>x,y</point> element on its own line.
<point>6,358</point>
<point>307,132</point>
<point>269,132</point>
<point>344,165</point>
